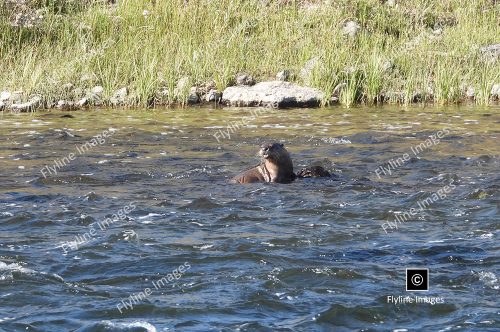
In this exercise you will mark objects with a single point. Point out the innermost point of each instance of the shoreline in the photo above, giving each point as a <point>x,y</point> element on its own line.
<point>142,53</point>
<point>13,102</point>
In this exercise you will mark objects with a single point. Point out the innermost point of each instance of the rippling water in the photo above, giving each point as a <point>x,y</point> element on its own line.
<point>149,205</point>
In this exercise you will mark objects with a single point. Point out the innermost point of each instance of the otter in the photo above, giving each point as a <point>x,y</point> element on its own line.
<point>276,166</point>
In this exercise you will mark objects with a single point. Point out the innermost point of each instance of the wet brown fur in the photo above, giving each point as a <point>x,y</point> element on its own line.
<point>276,166</point>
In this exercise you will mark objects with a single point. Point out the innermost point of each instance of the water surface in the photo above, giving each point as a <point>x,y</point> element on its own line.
<point>307,256</point>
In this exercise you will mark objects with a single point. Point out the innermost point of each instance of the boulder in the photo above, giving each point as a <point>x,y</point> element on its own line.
<point>276,94</point>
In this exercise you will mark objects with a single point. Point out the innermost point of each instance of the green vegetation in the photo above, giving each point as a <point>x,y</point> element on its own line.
<point>414,51</point>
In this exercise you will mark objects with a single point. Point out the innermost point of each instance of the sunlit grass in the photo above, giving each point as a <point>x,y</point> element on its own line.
<point>149,45</point>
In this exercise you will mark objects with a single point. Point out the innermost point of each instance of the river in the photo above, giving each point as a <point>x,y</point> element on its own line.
<point>123,220</point>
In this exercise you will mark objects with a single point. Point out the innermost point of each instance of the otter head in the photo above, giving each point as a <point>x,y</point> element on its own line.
<point>273,151</point>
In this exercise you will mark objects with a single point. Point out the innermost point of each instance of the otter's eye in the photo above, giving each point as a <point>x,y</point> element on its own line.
<point>282,145</point>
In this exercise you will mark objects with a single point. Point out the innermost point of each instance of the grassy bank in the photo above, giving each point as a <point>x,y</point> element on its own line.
<point>413,51</point>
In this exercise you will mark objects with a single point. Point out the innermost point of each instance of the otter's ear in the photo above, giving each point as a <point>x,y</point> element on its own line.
<point>282,145</point>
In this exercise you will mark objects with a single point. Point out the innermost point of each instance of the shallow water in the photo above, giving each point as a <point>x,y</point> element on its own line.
<point>308,256</point>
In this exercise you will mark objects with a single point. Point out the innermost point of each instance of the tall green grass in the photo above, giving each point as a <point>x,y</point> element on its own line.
<point>397,56</point>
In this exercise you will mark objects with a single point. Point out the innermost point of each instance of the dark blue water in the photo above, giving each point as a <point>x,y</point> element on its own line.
<point>141,232</point>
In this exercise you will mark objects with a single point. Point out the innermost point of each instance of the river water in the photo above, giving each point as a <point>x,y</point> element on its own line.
<point>139,230</point>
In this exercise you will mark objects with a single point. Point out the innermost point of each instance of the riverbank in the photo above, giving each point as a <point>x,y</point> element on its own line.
<point>152,53</point>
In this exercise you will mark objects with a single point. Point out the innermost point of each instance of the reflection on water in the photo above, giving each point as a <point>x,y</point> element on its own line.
<point>311,255</point>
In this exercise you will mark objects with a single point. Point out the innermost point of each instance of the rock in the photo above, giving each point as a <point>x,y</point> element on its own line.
<point>5,96</point>
<point>31,105</point>
<point>65,105</point>
<point>181,87</point>
<point>77,92</point>
<point>244,79</point>
<point>205,87</point>
<point>283,75</point>
<point>213,95</point>
<point>338,89</point>
<point>391,3</point>
<point>276,94</point>
<point>85,78</point>
<point>351,28</point>
<point>97,90</point>
<point>193,97</point>
<point>67,86</point>
<point>307,70</point>
<point>437,31</point>
<point>495,91</point>
<point>119,97</point>
<point>82,102</point>
<point>470,92</point>
<point>388,66</point>
<point>490,52</point>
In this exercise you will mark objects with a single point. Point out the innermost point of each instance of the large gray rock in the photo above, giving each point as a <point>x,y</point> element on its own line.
<point>276,94</point>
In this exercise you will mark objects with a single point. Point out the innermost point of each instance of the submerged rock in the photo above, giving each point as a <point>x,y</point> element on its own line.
<point>276,94</point>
